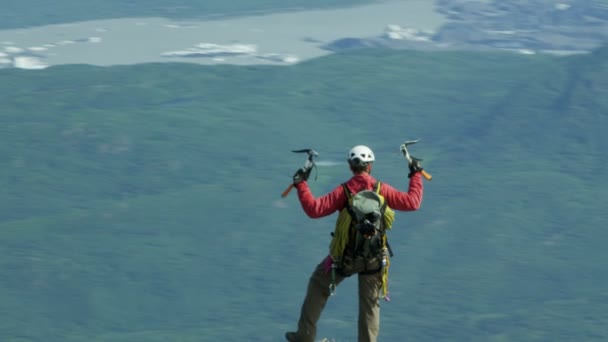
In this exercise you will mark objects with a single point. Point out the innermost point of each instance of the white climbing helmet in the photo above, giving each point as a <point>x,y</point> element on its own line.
<point>361,152</point>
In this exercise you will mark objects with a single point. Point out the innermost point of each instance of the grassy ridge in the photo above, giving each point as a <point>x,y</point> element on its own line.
<point>141,203</point>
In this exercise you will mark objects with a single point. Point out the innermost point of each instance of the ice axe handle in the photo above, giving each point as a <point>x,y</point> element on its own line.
<point>307,166</point>
<point>409,158</point>
<point>286,192</point>
<point>426,175</point>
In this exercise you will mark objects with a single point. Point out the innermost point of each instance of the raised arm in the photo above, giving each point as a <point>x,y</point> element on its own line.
<point>321,206</point>
<point>401,200</point>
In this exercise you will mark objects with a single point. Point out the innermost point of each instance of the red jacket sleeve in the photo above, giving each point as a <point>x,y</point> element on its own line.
<point>404,201</point>
<point>321,206</point>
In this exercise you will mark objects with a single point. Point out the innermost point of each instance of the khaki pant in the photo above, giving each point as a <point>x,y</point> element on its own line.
<point>318,293</point>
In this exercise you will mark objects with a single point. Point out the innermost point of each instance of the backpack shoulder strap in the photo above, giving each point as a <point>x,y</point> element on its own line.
<point>348,206</point>
<point>349,195</point>
<point>377,186</point>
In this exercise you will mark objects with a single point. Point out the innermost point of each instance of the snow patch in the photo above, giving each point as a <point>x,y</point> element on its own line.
<point>277,57</point>
<point>27,62</point>
<point>213,50</point>
<point>217,52</point>
<point>13,49</point>
<point>397,32</point>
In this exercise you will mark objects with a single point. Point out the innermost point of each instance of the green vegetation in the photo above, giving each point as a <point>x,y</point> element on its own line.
<point>142,203</point>
<point>25,13</point>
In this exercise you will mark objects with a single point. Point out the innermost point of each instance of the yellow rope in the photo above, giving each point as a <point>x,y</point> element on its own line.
<point>389,218</point>
<point>338,243</point>
<point>384,289</point>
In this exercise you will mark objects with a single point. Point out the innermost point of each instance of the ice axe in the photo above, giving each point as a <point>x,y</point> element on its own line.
<point>411,158</point>
<point>309,164</point>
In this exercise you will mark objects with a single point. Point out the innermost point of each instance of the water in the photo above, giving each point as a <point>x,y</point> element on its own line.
<point>277,38</point>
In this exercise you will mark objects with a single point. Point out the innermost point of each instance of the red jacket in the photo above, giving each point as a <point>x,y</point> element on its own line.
<point>336,199</point>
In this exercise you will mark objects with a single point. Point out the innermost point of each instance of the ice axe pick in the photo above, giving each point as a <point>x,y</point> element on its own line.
<point>310,163</point>
<point>409,157</point>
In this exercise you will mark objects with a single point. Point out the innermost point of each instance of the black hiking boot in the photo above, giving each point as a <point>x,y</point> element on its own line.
<point>290,336</point>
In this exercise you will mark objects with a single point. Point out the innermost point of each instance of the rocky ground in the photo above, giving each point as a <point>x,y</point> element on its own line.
<point>528,26</point>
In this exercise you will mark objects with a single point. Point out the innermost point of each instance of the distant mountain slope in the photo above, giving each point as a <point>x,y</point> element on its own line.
<point>573,26</point>
<point>142,203</point>
<point>17,14</point>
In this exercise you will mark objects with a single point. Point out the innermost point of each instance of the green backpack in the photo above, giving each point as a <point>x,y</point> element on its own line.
<point>361,231</point>
<point>362,224</point>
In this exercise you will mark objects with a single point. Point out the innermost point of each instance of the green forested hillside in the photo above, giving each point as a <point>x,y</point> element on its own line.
<point>142,203</point>
<point>26,13</point>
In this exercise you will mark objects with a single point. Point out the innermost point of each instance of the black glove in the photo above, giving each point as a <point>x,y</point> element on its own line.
<point>415,167</point>
<point>301,175</point>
